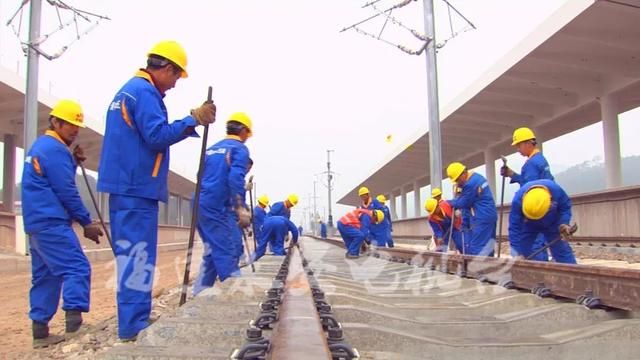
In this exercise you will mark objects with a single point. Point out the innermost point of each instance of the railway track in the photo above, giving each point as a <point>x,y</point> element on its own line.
<point>592,241</point>
<point>399,304</point>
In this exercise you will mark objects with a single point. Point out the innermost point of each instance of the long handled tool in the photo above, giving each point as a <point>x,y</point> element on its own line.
<point>504,165</point>
<point>253,224</point>
<point>573,229</point>
<point>453,219</point>
<point>194,212</point>
<point>95,204</point>
<point>246,245</point>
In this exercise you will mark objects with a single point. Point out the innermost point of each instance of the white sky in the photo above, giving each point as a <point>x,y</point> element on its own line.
<point>307,87</point>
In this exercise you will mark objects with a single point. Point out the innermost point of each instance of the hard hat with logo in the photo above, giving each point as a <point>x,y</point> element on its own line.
<point>264,200</point>
<point>243,119</point>
<point>379,216</point>
<point>293,199</point>
<point>536,203</point>
<point>436,192</point>
<point>522,134</point>
<point>173,52</point>
<point>454,170</point>
<point>69,111</point>
<point>363,190</point>
<point>430,205</point>
<point>381,198</point>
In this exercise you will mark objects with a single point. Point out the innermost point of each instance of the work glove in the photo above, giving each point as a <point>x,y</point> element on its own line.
<point>565,231</point>
<point>457,213</point>
<point>93,232</point>
<point>506,172</point>
<point>78,154</point>
<point>244,217</point>
<point>205,114</point>
<point>249,186</point>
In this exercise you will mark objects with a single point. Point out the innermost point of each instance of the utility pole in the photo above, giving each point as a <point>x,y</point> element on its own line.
<point>30,127</point>
<point>329,178</point>
<point>435,149</point>
<point>315,209</point>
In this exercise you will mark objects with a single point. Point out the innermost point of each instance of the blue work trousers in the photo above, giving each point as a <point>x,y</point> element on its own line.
<point>352,238</point>
<point>483,238</point>
<point>560,251</point>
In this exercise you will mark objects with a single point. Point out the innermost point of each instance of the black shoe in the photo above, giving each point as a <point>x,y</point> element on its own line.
<point>41,337</point>
<point>349,256</point>
<point>73,320</point>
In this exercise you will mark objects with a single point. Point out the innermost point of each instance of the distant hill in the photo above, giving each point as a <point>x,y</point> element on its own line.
<point>590,175</point>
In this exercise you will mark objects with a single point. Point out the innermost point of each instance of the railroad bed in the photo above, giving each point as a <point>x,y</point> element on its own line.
<point>317,304</point>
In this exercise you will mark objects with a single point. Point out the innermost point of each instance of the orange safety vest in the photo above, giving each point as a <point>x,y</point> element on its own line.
<point>448,212</point>
<point>353,218</point>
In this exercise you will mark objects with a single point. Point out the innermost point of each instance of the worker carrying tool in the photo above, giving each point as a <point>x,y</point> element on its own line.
<point>323,230</point>
<point>541,207</point>
<point>259,214</point>
<point>134,167</point>
<point>384,229</point>
<point>440,215</point>
<point>354,228</point>
<point>475,196</point>
<point>222,207</point>
<point>274,231</point>
<point>377,233</point>
<point>283,208</point>
<point>535,167</point>
<point>50,203</point>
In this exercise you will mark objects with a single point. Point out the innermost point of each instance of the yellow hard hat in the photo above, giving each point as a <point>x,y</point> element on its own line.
<point>522,134</point>
<point>536,203</point>
<point>243,119</point>
<point>69,111</point>
<point>264,200</point>
<point>381,198</point>
<point>454,170</point>
<point>436,192</point>
<point>293,199</point>
<point>363,190</point>
<point>379,216</point>
<point>430,205</point>
<point>173,52</point>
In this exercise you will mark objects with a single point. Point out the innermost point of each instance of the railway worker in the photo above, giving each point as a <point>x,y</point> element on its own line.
<point>259,214</point>
<point>377,234</point>
<point>274,231</point>
<point>541,207</point>
<point>535,167</point>
<point>50,203</point>
<point>386,225</point>
<point>436,193</point>
<point>475,196</point>
<point>354,228</point>
<point>283,208</point>
<point>465,215</point>
<point>222,207</point>
<point>300,230</point>
<point>440,215</point>
<point>323,230</point>
<point>134,167</point>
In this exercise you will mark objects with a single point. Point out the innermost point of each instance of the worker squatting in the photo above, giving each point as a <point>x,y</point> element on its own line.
<point>133,170</point>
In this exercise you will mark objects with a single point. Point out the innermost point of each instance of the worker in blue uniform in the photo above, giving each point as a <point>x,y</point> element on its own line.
<point>465,215</point>
<point>222,203</point>
<point>541,207</point>
<point>259,214</point>
<point>382,232</point>
<point>300,229</point>
<point>354,228</point>
<point>283,208</point>
<point>440,216</point>
<point>323,230</point>
<point>133,169</point>
<point>535,167</point>
<point>377,232</point>
<point>476,196</point>
<point>274,231</point>
<point>50,203</point>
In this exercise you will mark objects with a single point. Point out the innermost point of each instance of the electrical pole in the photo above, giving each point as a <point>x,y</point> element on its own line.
<point>30,127</point>
<point>329,178</point>
<point>435,149</point>
<point>315,209</point>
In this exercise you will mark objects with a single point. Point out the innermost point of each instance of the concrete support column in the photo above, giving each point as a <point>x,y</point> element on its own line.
<point>9,172</point>
<point>392,206</point>
<point>416,199</point>
<point>403,203</point>
<point>490,166</point>
<point>611,134</point>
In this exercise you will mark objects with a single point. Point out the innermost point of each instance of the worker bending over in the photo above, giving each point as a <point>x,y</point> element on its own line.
<point>274,231</point>
<point>440,215</point>
<point>354,228</point>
